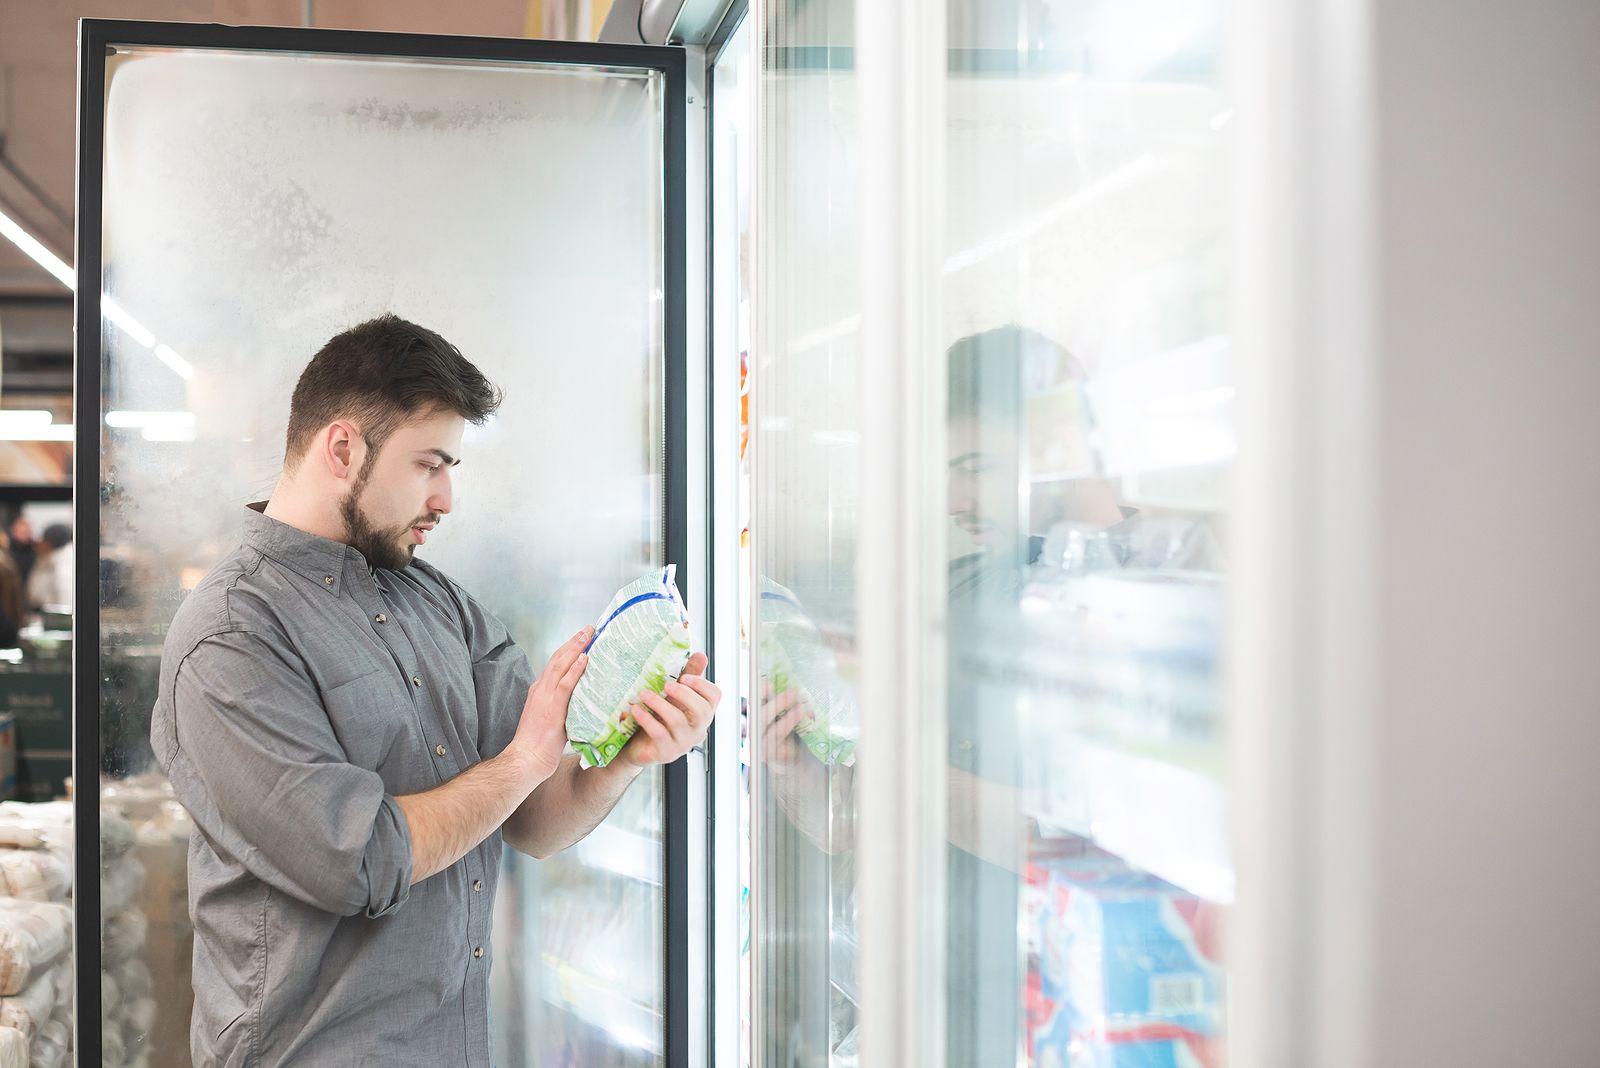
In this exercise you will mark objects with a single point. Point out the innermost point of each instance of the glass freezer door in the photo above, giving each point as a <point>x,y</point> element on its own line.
<point>245,194</point>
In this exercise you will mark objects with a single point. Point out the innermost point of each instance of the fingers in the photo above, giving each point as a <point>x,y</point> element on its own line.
<point>570,650</point>
<point>773,708</point>
<point>671,717</point>
<point>646,719</point>
<point>569,681</point>
<point>696,699</point>
<point>704,687</point>
<point>696,665</point>
<point>785,724</point>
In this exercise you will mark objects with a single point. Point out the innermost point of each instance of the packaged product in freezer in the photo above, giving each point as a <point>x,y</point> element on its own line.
<point>641,642</point>
<point>13,1048</point>
<point>34,874</point>
<point>794,657</point>
<point>35,1004</point>
<point>33,936</point>
<point>1128,970</point>
<point>1188,1051</point>
<point>51,1046</point>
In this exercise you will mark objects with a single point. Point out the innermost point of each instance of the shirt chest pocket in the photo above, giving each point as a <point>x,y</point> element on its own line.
<point>376,724</point>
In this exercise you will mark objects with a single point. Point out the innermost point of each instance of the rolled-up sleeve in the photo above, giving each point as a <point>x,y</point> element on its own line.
<point>256,762</point>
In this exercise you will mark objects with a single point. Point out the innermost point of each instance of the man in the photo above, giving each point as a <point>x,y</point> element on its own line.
<point>50,582</point>
<point>13,605</point>
<point>355,735</point>
<point>23,551</point>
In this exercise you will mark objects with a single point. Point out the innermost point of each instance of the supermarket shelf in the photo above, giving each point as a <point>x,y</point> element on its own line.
<point>602,1007</point>
<point>1165,819</point>
<point>842,961</point>
<point>624,853</point>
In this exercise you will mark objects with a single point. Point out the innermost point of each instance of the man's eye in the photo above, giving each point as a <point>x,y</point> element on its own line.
<point>429,467</point>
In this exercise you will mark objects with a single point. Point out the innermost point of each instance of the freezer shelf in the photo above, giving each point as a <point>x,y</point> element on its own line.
<point>1164,819</point>
<point>600,1005</point>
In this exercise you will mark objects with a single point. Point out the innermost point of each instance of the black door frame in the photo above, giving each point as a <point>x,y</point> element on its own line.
<point>95,37</point>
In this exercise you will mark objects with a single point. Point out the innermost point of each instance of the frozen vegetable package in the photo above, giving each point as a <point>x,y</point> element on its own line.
<point>794,657</point>
<point>641,642</point>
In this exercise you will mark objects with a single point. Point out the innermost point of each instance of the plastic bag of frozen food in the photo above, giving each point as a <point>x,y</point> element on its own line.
<point>33,935</point>
<point>641,642</point>
<point>122,935</point>
<point>794,657</point>
<point>34,874</point>
<point>33,1006</point>
<point>13,1048</point>
<point>51,1046</point>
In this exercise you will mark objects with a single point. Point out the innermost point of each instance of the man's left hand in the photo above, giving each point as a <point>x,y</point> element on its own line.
<point>674,722</point>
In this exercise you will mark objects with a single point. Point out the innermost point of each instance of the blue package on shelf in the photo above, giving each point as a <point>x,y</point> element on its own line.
<point>1128,973</point>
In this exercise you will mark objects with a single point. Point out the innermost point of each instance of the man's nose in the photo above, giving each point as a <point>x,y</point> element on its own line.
<point>441,499</point>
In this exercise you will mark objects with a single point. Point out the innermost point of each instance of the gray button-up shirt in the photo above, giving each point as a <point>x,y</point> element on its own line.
<point>301,692</point>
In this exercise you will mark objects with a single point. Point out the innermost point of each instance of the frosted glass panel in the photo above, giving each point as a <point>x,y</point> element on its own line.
<point>254,206</point>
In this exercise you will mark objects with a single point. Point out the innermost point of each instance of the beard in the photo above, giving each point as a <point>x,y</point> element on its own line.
<point>389,547</point>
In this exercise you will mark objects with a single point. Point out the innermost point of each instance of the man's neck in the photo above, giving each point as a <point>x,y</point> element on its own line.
<point>291,505</point>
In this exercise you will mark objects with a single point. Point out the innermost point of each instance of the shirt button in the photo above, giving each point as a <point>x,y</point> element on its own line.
<point>327,580</point>
<point>381,618</point>
<point>478,952</point>
<point>439,749</point>
<point>416,680</point>
<point>477,886</point>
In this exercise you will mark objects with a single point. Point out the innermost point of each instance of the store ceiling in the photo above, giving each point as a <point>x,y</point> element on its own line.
<point>38,89</point>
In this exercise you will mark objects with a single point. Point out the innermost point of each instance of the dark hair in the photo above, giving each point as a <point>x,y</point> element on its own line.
<point>989,373</point>
<point>57,535</point>
<point>378,375</point>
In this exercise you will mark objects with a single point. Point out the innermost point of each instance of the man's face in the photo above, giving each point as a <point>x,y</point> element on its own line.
<point>21,531</point>
<point>401,491</point>
<point>982,486</point>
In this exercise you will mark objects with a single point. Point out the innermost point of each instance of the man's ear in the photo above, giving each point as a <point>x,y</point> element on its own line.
<point>342,448</point>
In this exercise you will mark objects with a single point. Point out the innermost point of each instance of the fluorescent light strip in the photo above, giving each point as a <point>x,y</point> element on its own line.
<point>24,418</point>
<point>36,250</point>
<point>13,231</point>
<point>144,419</point>
<point>130,326</point>
<point>53,432</point>
<point>182,366</point>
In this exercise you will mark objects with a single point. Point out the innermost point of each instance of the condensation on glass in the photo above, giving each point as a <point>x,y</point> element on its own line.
<point>1089,439</point>
<point>255,205</point>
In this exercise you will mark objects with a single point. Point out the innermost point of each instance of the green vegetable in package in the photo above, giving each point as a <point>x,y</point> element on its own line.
<point>641,642</point>
<point>795,657</point>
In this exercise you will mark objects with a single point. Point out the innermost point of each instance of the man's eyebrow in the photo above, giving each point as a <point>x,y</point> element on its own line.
<point>444,456</point>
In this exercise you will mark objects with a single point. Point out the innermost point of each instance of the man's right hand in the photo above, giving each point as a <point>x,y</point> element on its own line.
<point>542,731</point>
<point>781,714</point>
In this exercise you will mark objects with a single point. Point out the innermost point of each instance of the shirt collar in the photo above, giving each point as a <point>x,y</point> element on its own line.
<point>319,559</point>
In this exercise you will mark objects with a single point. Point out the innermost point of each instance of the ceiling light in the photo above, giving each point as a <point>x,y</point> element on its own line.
<point>35,250</point>
<point>24,418</point>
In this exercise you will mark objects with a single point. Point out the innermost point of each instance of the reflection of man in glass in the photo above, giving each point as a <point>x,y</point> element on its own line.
<point>1018,455</point>
<point>354,735</point>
